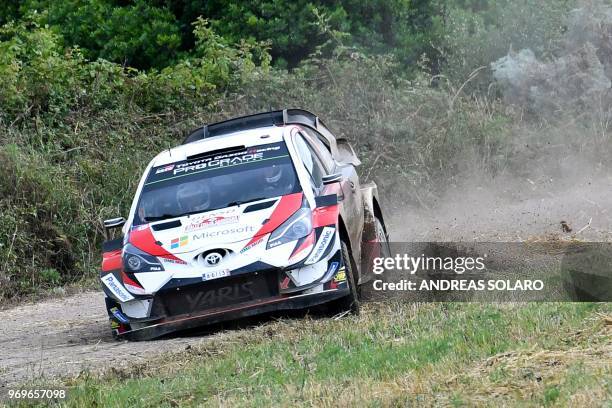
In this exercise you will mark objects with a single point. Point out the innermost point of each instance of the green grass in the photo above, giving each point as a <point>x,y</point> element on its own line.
<point>390,355</point>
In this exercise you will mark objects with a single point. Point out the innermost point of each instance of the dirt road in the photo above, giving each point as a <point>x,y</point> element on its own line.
<point>65,336</point>
<point>514,211</point>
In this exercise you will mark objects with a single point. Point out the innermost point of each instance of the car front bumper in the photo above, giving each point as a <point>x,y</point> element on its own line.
<point>159,327</point>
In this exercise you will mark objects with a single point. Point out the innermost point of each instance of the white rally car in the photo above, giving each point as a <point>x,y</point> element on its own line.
<point>251,215</point>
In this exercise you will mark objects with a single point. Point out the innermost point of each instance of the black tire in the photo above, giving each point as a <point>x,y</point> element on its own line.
<point>350,301</point>
<point>382,237</point>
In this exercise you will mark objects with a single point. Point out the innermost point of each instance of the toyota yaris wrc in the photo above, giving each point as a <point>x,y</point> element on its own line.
<point>252,215</point>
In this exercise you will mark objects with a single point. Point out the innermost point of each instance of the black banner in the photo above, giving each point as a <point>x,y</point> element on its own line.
<point>489,272</point>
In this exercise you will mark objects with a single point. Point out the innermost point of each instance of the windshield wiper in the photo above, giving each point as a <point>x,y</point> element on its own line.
<point>233,203</point>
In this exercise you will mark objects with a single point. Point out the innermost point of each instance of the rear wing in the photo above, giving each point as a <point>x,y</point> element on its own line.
<point>258,120</point>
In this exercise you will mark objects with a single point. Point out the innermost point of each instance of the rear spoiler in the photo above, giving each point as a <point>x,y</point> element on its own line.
<point>258,120</point>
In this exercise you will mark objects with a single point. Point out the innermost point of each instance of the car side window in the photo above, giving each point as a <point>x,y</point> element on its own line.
<point>321,149</point>
<point>311,161</point>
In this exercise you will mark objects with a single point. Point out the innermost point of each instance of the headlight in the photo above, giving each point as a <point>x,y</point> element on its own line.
<point>299,225</point>
<point>135,260</point>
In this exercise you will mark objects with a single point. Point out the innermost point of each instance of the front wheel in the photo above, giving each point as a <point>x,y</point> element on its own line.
<point>382,238</point>
<point>350,301</point>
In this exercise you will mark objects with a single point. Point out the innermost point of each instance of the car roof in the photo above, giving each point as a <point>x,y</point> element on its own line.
<point>247,138</point>
<point>257,120</point>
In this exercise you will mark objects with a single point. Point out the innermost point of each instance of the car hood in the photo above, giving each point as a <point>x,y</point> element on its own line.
<point>217,228</point>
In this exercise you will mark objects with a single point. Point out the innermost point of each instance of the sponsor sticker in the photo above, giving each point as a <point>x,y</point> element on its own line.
<point>172,261</point>
<point>179,242</point>
<point>211,221</point>
<point>116,288</point>
<point>119,316</point>
<point>165,169</point>
<point>341,275</point>
<point>324,240</point>
<point>274,244</point>
<point>215,274</point>
<point>229,294</point>
<point>229,231</point>
<point>218,161</point>
<point>248,247</point>
<point>332,268</point>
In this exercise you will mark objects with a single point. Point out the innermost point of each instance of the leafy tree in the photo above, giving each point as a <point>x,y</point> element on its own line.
<point>380,25</point>
<point>137,34</point>
<point>158,33</point>
<point>9,11</point>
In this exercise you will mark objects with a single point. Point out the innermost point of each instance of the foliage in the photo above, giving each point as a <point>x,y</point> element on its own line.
<point>158,33</point>
<point>75,135</point>
<point>137,34</point>
<point>292,26</point>
<point>37,75</point>
<point>76,132</point>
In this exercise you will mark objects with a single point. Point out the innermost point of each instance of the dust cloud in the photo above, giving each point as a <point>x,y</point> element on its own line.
<point>556,180</point>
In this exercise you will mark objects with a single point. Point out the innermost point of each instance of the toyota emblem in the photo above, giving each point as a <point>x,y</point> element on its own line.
<point>213,258</point>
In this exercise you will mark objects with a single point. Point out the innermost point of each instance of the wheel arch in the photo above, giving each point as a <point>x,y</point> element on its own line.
<point>344,235</point>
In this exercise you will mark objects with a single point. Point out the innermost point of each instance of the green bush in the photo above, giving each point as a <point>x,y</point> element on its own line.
<point>158,33</point>
<point>137,34</point>
<point>39,77</point>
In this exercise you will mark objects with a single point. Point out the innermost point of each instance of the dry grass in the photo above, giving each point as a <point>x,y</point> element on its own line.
<point>392,355</point>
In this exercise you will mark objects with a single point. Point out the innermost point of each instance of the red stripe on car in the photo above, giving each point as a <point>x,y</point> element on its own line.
<point>324,216</point>
<point>143,239</point>
<point>308,242</point>
<point>287,206</point>
<point>111,260</point>
<point>126,279</point>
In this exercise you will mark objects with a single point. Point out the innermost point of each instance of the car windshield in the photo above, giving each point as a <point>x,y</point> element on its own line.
<point>216,181</point>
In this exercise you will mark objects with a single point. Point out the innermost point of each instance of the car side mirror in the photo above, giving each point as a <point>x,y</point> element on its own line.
<point>113,223</point>
<point>346,153</point>
<point>332,178</point>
